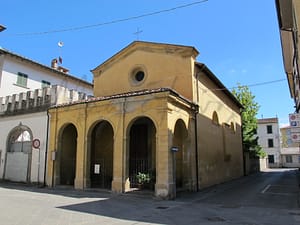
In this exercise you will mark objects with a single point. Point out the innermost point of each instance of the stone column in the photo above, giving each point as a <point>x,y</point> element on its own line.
<point>165,187</point>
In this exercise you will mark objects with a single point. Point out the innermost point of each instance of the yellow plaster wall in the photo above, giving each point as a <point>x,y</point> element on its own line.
<point>120,113</point>
<point>219,146</point>
<point>163,68</point>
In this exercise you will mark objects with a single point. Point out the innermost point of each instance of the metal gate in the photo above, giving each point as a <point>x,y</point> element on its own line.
<point>101,174</point>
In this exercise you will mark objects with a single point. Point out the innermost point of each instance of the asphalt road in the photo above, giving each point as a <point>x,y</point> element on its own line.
<point>270,197</point>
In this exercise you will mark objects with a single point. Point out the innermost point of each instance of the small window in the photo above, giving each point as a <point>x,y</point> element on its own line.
<point>270,143</point>
<point>269,129</point>
<point>271,158</point>
<point>45,84</point>
<point>22,79</point>
<point>288,159</point>
<point>232,127</point>
<point>215,118</point>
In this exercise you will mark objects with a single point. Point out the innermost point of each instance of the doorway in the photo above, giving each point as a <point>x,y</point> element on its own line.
<point>101,157</point>
<point>142,151</point>
<point>68,149</point>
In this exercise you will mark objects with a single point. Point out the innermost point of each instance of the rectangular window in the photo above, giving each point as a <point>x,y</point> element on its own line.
<point>269,129</point>
<point>288,159</point>
<point>271,158</point>
<point>270,143</point>
<point>45,83</point>
<point>22,79</point>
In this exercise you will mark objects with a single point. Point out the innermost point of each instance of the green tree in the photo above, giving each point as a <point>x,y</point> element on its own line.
<point>249,121</point>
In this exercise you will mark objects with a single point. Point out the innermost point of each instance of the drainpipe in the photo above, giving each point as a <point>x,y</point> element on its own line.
<point>124,147</point>
<point>46,150</point>
<point>243,150</point>
<point>196,149</point>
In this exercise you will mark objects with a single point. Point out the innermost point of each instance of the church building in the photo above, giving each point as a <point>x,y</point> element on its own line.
<point>156,111</point>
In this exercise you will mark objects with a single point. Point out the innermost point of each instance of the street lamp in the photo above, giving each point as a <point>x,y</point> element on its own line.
<point>2,28</point>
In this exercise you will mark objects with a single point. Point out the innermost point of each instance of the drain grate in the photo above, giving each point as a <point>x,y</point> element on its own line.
<point>294,213</point>
<point>215,219</point>
<point>162,207</point>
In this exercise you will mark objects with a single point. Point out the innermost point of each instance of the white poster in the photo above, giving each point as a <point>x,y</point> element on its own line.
<point>97,169</point>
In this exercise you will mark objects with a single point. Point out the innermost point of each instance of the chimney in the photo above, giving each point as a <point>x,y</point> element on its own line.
<point>54,63</point>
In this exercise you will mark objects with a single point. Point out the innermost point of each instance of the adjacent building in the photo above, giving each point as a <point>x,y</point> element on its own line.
<point>27,90</point>
<point>288,12</point>
<point>19,74</point>
<point>290,150</point>
<point>157,111</point>
<point>269,139</point>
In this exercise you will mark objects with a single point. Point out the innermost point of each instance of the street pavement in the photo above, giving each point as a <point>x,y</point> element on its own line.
<point>270,197</point>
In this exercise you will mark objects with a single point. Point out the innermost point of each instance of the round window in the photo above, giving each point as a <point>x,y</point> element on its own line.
<point>139,76</point>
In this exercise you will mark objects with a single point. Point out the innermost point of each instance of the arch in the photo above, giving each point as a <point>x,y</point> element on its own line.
<point>67,150</point>
<point>180,141</point>
<point>141,150</point>
<point>100,155</point>
<point>215,118</point>
<point>18,157</point>
<point>19,138</point>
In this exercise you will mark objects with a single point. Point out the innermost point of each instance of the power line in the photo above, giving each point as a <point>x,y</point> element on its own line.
<point>113,21</point>
<point>249,85</point>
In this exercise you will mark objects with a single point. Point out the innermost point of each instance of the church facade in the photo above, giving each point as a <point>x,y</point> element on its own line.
<point>156,111</point>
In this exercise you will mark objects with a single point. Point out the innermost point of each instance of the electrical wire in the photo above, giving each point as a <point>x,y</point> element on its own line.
<point>113,21</point>
<point>249,85</point>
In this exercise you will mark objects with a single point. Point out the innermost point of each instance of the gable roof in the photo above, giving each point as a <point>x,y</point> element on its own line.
<point>6,52</point>
<point>218,83</point>
<point>147,46</point>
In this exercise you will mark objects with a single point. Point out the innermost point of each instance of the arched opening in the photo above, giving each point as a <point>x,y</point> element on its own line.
<point>101,155</point>
<point>215,118</point>
<point>18,157</point>
<point>68,149</point>
<point>179,141</point>
<point>142,152</point>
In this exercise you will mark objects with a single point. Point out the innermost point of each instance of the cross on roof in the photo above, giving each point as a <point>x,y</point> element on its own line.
<point>137,33</point>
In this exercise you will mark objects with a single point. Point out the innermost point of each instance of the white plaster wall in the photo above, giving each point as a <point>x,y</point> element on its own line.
<point>11,67</point>
<point>263,140</point>
<point>37,122</point>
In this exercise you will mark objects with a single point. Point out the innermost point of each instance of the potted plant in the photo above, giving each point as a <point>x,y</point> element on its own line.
<point>142,178</point>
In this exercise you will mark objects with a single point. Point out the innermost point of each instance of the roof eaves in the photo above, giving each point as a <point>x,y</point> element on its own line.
<point>220,85</point>
<point>128,94</point>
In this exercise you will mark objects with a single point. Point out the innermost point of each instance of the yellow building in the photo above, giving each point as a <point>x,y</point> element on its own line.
<point>157,111</point>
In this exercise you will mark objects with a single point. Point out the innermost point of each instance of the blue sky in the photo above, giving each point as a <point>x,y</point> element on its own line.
<point>238,40</point>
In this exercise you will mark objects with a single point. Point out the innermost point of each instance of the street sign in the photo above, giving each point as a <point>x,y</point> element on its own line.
<point>36,143</point>
<point>294,119</point>
<point>295,126</point>
<point>295,137</point>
